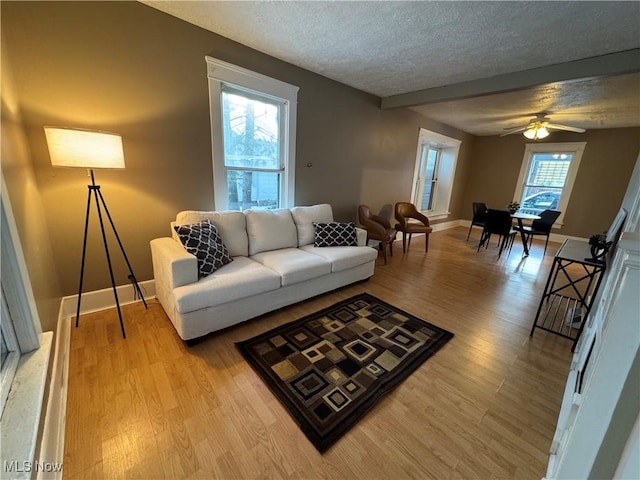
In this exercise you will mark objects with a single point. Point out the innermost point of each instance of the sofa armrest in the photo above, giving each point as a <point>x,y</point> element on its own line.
<point>173,266</point>
<point>362,237</point>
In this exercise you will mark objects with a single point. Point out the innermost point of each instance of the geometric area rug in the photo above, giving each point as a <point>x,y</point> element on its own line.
<point>329,368</point>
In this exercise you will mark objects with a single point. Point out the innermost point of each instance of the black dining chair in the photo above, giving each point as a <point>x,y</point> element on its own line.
<point>498,222</point>
<point>541,227</point>
<point>479,212</point>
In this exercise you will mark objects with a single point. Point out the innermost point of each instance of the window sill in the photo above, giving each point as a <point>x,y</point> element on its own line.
<point>437,215</point>
<point>22,412</point>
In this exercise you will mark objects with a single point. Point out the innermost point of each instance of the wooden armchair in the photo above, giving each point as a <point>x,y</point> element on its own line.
<point>405,211</point>
<point>378,228</point>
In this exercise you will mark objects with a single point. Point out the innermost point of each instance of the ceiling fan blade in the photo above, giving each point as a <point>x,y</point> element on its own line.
<point>514,130</point>
<point>567,128</point>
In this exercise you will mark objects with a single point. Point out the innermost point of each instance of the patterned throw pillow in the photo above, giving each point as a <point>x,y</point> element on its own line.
<point>203,241</point>
<point>335,234</point>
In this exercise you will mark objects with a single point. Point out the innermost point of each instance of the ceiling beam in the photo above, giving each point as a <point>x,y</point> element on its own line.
<point>603,65</point>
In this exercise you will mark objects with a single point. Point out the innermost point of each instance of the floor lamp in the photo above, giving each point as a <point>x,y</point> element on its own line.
<point>91,149</point>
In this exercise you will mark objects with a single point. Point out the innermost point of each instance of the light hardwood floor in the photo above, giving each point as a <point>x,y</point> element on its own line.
<point>485,406</point>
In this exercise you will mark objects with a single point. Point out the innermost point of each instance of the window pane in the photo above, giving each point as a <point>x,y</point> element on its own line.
<point>251,131</point>
<point>549,169</point>
<point>546,179</point>
<point>432,156</point>
<point>537,199</point>
<point>429,180</point>
<point>253,189</point>
<point>427,197</point>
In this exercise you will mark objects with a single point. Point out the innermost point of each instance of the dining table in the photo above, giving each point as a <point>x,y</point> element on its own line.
<point>519,217</point>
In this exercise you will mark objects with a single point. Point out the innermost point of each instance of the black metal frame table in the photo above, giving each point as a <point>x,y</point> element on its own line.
<point>524,216</point>
<point>565,314</point>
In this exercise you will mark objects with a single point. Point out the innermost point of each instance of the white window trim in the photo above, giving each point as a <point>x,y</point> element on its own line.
<point>219,72</point>
<point>449,156</point>
<point>19,425</point>
<point>575,148</point>
<point>15,280</point>
<point>11,362</point>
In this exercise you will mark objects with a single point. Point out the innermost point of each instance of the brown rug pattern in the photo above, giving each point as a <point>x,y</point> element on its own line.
<point>329,368</point>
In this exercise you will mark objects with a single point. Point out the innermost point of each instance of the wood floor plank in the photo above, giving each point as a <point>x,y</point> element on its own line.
<point>485,406</point>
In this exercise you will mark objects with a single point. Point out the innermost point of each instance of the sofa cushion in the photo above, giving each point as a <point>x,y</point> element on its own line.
<point>270,230</point>
<point>335,234</point>
<point>304,217</point>
<point>343,258</point>
<point>202,240</point>
<point>231,225</point>
<point>239,279</point>
<point>294,265</point>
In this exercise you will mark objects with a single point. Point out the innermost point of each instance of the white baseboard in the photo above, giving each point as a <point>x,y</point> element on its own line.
<point>445,225</point>
<point>438,227</point>
<point>52,443</point>
<point>104,299</point>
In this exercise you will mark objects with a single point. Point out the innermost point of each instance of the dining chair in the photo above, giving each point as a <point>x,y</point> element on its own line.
<point>541,227</point>
<point>404,211</point>
<point>378,228</point>
<point>479,213</point>
<point>497,222</point>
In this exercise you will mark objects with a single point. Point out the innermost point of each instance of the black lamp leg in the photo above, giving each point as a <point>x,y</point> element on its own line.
<point>96,189</point>
<point>100,200</point>
<point>126,259</point>
<point>84,251</point>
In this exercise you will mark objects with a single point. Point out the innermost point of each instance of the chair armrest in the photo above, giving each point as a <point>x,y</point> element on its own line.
<point>375,229</point>
<point>362,237</point>
<point>381,220</point>
<point>173,266</point>
<point>422,218</point>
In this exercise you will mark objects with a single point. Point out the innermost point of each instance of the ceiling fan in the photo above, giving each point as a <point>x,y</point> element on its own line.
<point>539,127</point>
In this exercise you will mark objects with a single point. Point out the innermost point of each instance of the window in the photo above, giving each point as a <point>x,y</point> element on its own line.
<point>17,326</point>
<point>427,179</point>
<point>10,352</point>
<point>547,175</point>
<point>23,381</point>
<point>433,177</point>
<point>253,120</point>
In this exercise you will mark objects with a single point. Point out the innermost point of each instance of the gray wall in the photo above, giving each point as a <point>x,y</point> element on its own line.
<point>128,68</point>
<point>27,205</point>
<point>605,170</point>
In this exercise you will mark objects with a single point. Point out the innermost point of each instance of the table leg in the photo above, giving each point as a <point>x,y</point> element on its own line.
<point>523,237</point>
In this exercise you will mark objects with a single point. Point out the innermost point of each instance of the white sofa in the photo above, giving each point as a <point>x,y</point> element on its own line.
<point>274,264</point>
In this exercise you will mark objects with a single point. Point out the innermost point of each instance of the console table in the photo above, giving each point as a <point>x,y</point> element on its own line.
<point>572,284</point>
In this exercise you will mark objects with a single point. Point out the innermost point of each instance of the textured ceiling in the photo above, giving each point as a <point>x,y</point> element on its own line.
<point>606,102</point>
<point>389,48</point>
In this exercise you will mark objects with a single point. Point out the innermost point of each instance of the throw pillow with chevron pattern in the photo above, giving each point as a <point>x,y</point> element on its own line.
<point>203,240</point>
<point>335,234</point>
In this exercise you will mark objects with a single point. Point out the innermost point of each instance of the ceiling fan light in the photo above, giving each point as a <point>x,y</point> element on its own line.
<point>542,132</point>
<point>530,133</point>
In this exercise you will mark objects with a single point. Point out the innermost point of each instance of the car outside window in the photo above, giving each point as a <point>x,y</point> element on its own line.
<point>546,177</point>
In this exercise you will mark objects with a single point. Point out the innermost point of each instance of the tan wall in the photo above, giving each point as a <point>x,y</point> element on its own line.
<point>127,68</point>
<point>26,205</point>
<point>605,170</point>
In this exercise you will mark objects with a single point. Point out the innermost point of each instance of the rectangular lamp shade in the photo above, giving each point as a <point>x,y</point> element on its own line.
<point>84,148</point>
